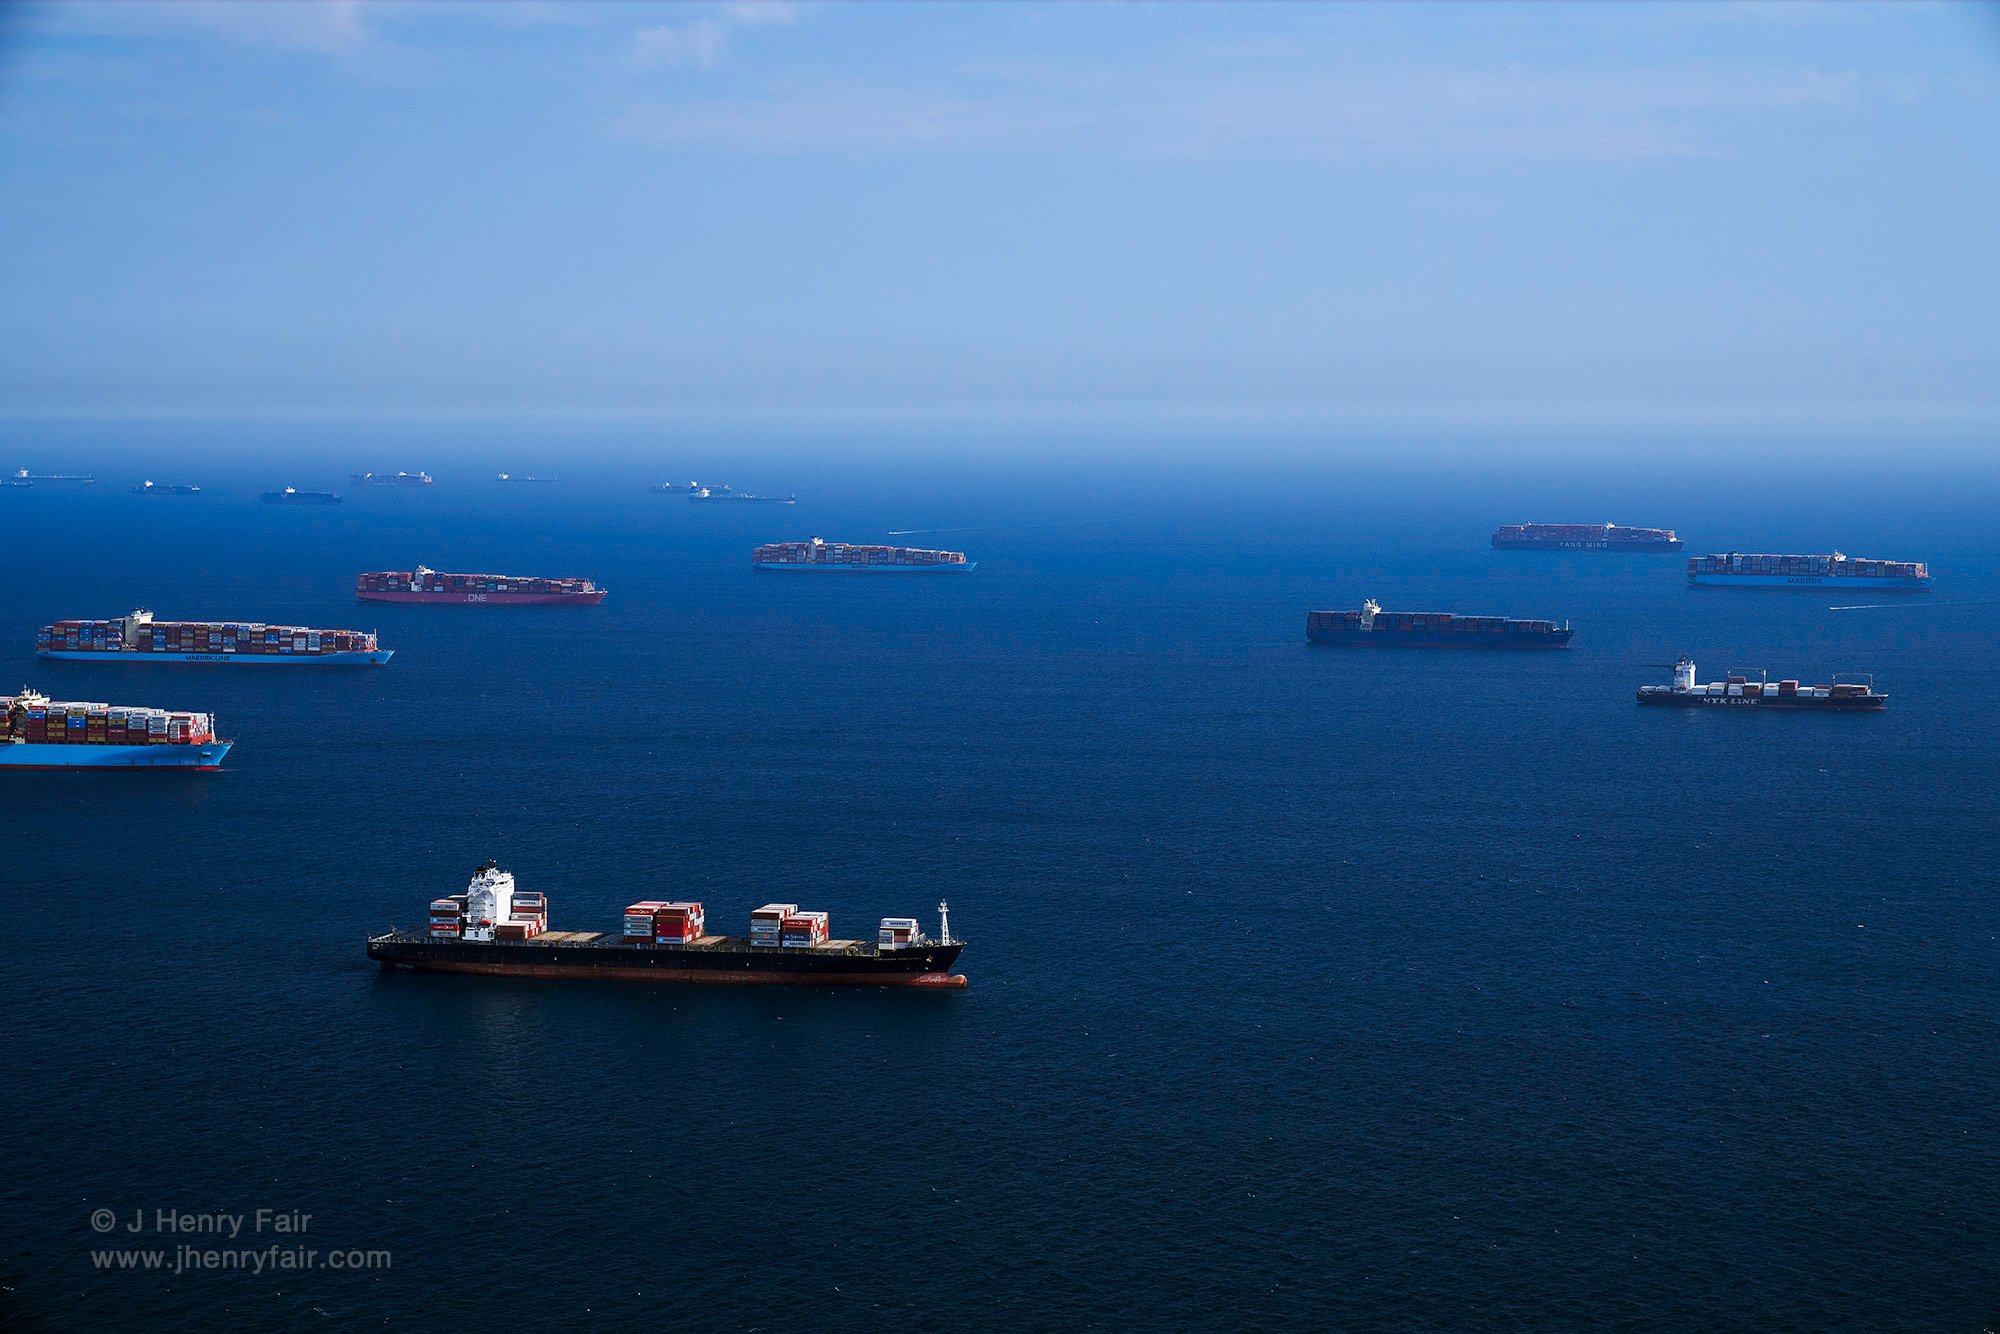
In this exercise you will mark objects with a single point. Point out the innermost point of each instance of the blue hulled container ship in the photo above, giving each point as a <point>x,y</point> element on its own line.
<point>37,732</point>
<point>1373,627</point>
<point>1759,571</point>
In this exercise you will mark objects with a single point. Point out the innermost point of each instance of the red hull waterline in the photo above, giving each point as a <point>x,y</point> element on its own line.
<point>112,768</point>
<point>590,599</point>
<point>952,981</point>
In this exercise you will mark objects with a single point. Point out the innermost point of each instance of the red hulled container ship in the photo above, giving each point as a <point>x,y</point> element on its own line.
<point>518,590</point>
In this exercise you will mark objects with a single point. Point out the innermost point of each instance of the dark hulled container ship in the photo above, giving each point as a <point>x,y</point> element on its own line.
<point>489,590</point>
<point>1371,626</point>
<point>819,555</point>
<point>496,930</point>
<point>140,638</point>
<point>1739,691</point>
<point>291,495</point>
<point>1736,570</point>
<point>1584,537</point>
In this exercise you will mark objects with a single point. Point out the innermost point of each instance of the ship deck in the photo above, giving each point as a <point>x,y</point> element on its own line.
<point>611,940</point>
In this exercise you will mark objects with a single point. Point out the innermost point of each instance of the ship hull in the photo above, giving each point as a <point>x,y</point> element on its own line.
<point>805,568</point>
<point>1848,582</point>
<point>487,599</point>
<point>733,963</point>
<point>365,658</point>
<point>1551,544</point>
<point>1674,701</point>
<point>1436,639</point>
<point>202,758</point>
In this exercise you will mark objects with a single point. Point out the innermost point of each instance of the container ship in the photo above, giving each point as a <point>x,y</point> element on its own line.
<point>291,495</point>
<point>1734,570</point>
<point>164,489</point>
<point>39,733</point>
<point>722,495</point>
<point>819,554</point>
<point>1742,692</point>
<point>1431,629</point>
<point>140,638</point>
<point>1584,537</point>
<point>392,479</point>
<point>514,590</point>
<point>517,477</point>
<point>496,929</point>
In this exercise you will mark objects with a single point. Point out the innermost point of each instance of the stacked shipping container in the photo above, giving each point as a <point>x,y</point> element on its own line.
<point>803,930</point>
<point>767,924</point>
<point>34,719</point>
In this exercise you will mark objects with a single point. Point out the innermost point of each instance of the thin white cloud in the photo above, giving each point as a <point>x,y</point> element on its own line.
<point>701,43</point>
<point>1362,113</point>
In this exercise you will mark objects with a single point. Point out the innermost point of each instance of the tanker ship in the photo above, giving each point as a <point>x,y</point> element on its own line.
<point>841,557</point>
<point>392,479</point>
<point>1431,629</point>
<point>140,638</point>
<point>1872,576</point>
<point>39,733</point>
<point>1741,692</point>
<point>164,489</point>
<point>1584,537</point>
<point>512,590</point>
<point>496,929</point>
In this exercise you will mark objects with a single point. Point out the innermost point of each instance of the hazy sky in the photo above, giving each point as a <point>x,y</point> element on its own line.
<point>1754,207</point>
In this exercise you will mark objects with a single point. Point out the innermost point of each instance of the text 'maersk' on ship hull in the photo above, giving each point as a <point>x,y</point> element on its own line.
<point>1371,626</point>
<point>494,929</point>
<point>1584,537</point>
<point>1834,570</point>
<point>1741,692</point>
<point>39,733</point>
<point>140,638</point>
<point>820,555</point>
<point>493,590</point>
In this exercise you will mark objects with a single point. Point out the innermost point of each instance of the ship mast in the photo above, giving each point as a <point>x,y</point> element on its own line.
<point>944,922</point>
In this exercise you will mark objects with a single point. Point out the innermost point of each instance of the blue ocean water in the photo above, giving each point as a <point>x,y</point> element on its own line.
<point>1309,987</point>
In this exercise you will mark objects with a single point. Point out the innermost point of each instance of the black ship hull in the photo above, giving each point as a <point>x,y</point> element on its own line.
<point>1553,544</point>
<point>725,961</point>
<point>1393,638</point>
<point>1661,698</point>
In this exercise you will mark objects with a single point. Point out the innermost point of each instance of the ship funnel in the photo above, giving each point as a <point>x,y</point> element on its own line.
<point>1684,674</point>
